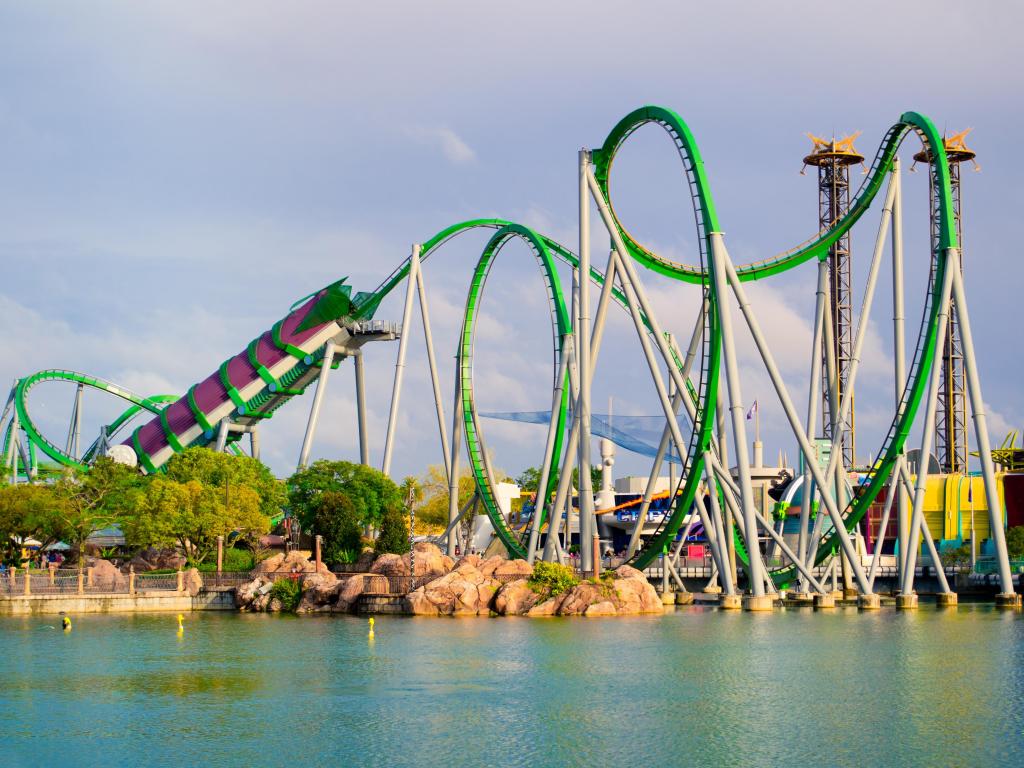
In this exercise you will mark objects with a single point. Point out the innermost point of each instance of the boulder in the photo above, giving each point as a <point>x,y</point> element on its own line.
<point>490,565</point>
<point>473,560</point>
<point>153,559</point>
<point>274,605</point>
<point>430,560</point>
<point>391,565</point>
<point>464,591</point>
<point>366,558</point>
<point>293,562</point>
<point>577,600</point>
<point>515,598</point>
<point>604,608</point>
<point>106,577</point>
<point>636,595</point>
<point>192,581</point>
<point>252,596</point>
<point>318,592</point>
<point>347,593</point>
<point>510,570</point>
<point>547,608</point>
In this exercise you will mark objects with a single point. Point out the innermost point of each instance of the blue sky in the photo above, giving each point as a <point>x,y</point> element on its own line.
<point>174,175</point>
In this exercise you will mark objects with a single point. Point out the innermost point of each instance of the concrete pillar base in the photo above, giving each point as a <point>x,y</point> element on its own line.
<point>730,602</point>
<point>668,598</point>
<point>850,594</point>
<point>1008,600</point>
<point>870,602</point>
<point>906,602</point>
<point>946,599</point>
<point>714,589</point>
<point>837,594</point>
<point>827,600</point>
<point>800,598</point>
<point>684,598</point>
<point>758,603</point>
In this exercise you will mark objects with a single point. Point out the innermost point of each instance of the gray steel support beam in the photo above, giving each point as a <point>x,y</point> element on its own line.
<point>995,513</point>
<point>428,339</point>
<point>318,399</point>
<point>364,446</point>
<point>403,343</point>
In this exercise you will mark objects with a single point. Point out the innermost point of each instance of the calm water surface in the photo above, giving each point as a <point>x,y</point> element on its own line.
<point>696,687</point>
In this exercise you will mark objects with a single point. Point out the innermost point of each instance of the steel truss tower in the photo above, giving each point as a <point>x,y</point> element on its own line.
<point>951,412</point>
<point>833,160</point>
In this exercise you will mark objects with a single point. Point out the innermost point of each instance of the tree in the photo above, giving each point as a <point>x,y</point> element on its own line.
<point>432,512</point>
<point>394,532</point>
<point>337,521</point>
<point>1015,542</point>
<point>529,479</point>
<point>228,473</point>
<point>27,512</point>
<point>191,515</point>
<point>370,490</point>
<point>93,500</point>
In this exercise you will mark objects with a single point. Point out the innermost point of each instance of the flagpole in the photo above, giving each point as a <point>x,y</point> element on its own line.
<point>970,495</point>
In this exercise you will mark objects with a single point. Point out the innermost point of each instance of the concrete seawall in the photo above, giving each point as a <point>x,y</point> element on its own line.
<point>206,600</point>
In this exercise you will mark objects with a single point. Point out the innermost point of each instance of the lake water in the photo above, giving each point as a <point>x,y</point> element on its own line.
<point>695,687</point>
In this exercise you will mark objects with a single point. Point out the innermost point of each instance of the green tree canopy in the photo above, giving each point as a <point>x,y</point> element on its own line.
<point>27,512</point>
<point>370,490</point>
<point>337,521</point>
<point>529,479</point>
<point>191,515</point>
<point>394,532</point>
<point>90,501</point>
<point>228,472</point>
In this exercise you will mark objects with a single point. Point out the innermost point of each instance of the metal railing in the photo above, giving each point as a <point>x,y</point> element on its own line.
<point>71,581</point>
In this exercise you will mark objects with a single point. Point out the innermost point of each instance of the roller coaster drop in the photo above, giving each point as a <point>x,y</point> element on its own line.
<point>324,328</point>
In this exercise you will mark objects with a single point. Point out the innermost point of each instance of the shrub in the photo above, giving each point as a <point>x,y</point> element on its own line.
<point>289,592</point>
<point>337,521</point>
<point>552,579</point>
<point>394,533</point>
<point>1015,542</point>
<point>235,559</point>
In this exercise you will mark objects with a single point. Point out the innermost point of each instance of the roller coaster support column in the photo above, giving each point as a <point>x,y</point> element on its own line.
<point>794,423</point>
<point>541,501</point>
<point>318,398</point>
<point>755,575</point>
<point>899,351</point>
<point>254,442</point>
<point>428,338</point>
<point>995,513</point>
<point>75,427</point>
<point>588,525</point>
<point>813,396</point>
<point>928,435</point>
<point>453,465</point>
<point>364,447</point>
<point>15,445</point>
<point>403,343</point>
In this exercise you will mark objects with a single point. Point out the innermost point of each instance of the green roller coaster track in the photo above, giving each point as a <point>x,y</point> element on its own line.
<point>705,391</point>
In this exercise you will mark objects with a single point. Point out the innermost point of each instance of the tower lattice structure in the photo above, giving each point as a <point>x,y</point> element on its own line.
<point>951,409</point>
<point>833,160</point>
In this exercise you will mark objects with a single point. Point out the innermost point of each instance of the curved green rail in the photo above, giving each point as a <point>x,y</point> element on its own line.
<point>36,438</point>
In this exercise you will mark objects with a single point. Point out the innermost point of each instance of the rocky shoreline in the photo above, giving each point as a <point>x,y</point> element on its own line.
<point>473,586</point>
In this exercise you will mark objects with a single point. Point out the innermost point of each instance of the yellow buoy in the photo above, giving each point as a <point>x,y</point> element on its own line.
<point>181,627</point>
<point>66,623</point>
<point>371,626</point>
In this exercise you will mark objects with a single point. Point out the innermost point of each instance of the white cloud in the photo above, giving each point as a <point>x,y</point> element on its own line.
<point>452,146</point>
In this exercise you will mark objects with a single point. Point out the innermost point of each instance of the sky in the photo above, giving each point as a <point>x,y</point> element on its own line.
<point>173,175</point>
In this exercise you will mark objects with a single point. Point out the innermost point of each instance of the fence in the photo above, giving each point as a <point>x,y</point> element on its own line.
<point>71,581</point>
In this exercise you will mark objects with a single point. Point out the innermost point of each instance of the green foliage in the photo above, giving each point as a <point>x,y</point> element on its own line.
<point>27,512</point>
<point>90,501</point>
<point>190,515</point>
<point>529,479</point>
<point>235,559</point>
<point>1015,542</point>
<point>551,579</point>
<point>336,520</point>
<point>960,556</point>
<point>229,473</point>
<point>394,533</point>
<point>370,490</point>
<point>289,592</point>
<point>433,510</point>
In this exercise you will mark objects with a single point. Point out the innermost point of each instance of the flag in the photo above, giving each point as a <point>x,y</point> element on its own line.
<point>752,411</point>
